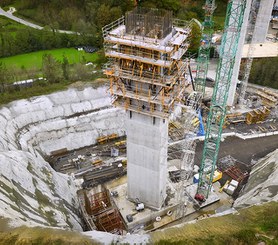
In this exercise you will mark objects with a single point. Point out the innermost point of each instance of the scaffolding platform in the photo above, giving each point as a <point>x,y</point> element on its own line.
<point>146,63</point>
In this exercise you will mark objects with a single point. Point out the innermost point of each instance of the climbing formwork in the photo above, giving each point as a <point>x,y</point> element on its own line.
<point>146,69</point>
<point>145,65</point>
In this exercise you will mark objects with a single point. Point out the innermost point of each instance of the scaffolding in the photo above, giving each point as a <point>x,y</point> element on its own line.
<point>187,158</point>
<point>100,212</point>
<point>146,67</point>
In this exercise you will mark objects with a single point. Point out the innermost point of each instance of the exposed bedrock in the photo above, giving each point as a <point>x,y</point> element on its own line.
<point>262,185</point>
<point>31,192</point>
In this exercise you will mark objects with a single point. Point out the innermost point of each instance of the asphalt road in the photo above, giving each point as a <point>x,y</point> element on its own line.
<point>27,23</point>
<point>242,150</point>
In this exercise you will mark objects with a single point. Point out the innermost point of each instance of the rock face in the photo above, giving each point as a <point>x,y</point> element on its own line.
<point>262,185</point>
<point>31,192</point>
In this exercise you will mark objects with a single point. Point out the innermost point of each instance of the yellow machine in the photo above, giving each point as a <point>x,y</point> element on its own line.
<point>216,176</point>
<point>226,184</point>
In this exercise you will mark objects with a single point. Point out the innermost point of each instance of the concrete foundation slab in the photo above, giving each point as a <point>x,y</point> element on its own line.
<point>146,219</point>
<point>149,219</point>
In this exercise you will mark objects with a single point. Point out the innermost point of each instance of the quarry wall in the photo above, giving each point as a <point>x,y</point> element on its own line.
<point>31,191</point>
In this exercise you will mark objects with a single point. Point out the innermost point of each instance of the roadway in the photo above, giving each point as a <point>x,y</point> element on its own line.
<point>9,14</point>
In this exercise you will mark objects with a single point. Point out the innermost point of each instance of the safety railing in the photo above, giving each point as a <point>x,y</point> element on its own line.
<point>113,25</point>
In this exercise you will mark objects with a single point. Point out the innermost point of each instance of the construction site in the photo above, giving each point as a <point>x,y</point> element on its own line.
<point>171,164</point>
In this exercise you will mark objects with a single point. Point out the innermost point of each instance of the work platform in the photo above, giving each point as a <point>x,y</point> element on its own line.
<point>150,219</point>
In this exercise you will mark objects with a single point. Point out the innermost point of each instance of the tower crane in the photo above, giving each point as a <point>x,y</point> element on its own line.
<point>204,49</point>
<point>217,113</point>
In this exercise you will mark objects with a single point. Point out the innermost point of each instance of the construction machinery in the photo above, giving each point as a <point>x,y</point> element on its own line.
<point>216,118</point>
<point>204,49</point>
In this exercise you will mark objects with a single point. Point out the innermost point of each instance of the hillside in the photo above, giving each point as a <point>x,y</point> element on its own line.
<point>248,226</point>
<point>90,16</point>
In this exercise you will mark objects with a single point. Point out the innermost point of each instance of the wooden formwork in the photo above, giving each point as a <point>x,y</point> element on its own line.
<point>257,115</point>
<point>99,201</point>
<point>110,221</point>
<point>100,212</point>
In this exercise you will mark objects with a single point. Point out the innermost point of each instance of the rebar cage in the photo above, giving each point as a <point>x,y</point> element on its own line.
<point>153,23</point>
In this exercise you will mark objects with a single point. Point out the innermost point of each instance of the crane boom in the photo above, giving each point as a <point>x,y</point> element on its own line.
<point>204,49</point>
<point>228,49</point>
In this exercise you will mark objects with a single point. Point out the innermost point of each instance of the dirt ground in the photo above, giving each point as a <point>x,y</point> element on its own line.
<point>242,150</point>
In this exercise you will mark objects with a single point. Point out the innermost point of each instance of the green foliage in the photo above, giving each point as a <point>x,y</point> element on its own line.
<point>42,236</point>
<point>186,10</point>
<point>195,39</point>
<point>249,226</point>
<point>3,76</point>
<point>69,14</point>
<point>173,5</point>
<point>50,68</point>
<point>34,59</point>
<point>101,59</point>
<point>17,39</point>
<point>264,72</point>
<point>65,68</point>
<point>35,90</point>
<point>86,17</point>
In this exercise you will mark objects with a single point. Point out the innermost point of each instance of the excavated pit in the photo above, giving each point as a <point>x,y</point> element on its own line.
<point>33,130</point>
<point>32,193</point>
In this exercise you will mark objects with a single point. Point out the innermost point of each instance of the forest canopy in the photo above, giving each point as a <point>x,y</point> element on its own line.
<point>84,17</point>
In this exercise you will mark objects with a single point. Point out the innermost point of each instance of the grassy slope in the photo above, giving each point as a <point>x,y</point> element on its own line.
<point>11,27</point>
<point>26,93</point>
<point>8,25</point>
<point>251,225</point>
<point>34,59</point>
<point>42,236</point>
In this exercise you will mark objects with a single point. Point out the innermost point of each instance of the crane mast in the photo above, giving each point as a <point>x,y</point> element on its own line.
<point>204,49</point>
<point>228,49</point>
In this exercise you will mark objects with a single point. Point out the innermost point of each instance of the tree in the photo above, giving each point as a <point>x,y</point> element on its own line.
<point>103,16</point>
<point>264,72</point>
<point>3,76</point>
<point>51,68</point>
<point>196,35</point>
<point>65,68</point>
<point>80,72</point>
